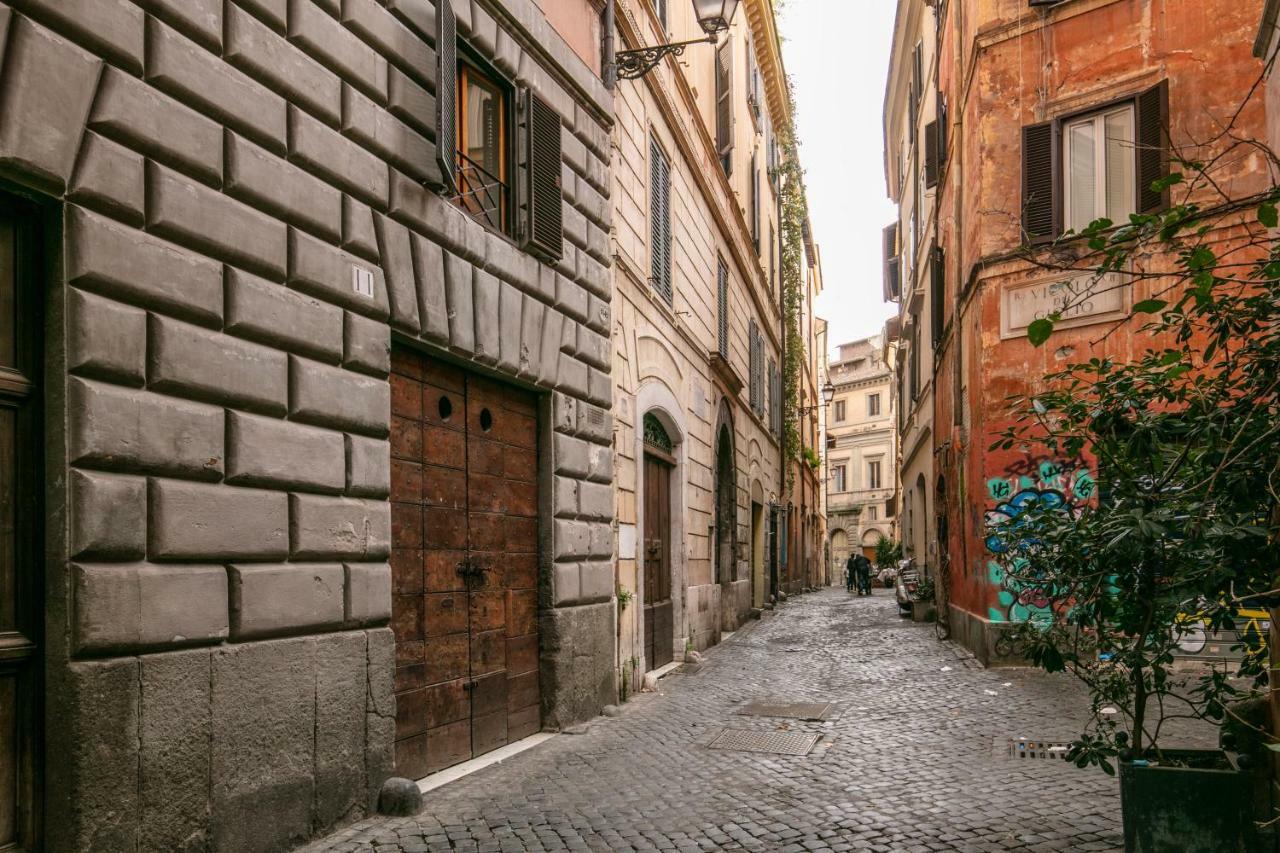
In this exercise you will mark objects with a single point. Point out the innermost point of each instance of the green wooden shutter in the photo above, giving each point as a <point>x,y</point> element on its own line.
<point>546,201</point>
<point>446,94</point>
<point>722,308</point>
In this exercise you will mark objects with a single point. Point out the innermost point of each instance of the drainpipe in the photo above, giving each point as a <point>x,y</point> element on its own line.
<point>609,69</point>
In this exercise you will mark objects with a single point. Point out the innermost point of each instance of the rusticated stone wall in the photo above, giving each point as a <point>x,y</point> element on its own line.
<point>217,651</point>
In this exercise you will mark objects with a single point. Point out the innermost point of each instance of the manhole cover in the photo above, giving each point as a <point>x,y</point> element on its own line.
<point>1023,748</point>
<point>774,743</point>
<point>815,711</point>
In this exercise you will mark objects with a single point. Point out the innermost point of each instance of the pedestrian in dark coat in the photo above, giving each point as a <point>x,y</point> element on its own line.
<point>862,568</point>
<point>850,571</point>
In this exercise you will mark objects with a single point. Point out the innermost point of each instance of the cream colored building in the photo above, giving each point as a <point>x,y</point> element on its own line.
<point>861,441</point>
<point>697,332</point>
<point>910,109</point>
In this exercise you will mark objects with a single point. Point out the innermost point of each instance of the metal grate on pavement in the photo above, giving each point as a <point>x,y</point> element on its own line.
<point>773,743</point>
<point>811,711</point>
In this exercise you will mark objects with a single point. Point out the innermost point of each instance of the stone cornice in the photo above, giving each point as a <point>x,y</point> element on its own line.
<point>764,34</point>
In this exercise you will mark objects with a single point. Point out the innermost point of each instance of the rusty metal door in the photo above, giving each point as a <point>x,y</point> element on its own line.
<point>658,623</point>
<point>464,560</point>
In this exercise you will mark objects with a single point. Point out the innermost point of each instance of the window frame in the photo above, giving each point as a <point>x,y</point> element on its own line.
<point>839,411</point>
<point>875,474</point>
<point>873,411</point>
<point>663,285</point>
<point>469,64</point>
<point>1098,118</point>
<point>839,478</point>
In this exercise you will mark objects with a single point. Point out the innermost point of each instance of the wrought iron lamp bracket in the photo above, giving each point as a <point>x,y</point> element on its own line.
<point>634,64</point>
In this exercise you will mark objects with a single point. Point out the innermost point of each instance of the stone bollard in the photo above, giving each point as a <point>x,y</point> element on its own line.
<point>399,798</point>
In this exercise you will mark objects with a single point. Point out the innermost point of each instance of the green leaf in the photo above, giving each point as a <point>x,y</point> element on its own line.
<point>1274,747</point>
<point>1039,331</point>
<point>1150,306</point>
<point>1267,215</point>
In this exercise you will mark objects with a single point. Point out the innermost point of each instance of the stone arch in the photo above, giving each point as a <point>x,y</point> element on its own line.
<point>725,545</point>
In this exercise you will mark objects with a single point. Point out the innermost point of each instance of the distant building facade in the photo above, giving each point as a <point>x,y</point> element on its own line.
<point>861,440</point>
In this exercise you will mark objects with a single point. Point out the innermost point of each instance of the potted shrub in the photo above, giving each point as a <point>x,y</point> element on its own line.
<point>923,608</point>
<point>1172,461</point>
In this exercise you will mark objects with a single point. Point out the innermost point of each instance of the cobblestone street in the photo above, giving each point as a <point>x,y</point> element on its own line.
<point>913,758</point>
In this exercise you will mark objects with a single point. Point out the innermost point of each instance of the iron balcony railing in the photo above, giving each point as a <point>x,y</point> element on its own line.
<point>481,194</point>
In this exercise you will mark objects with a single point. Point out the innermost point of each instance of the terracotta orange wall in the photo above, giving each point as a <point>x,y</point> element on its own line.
<point>578,23</point>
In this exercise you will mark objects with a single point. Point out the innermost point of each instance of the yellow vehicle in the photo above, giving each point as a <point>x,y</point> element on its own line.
<point>1195,639</point>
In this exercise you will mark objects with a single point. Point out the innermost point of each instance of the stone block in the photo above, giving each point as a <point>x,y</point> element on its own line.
<point>105,339</point>
<point>593,348</point>
<point>108,516</point>
<point>273,12</point>
<point>368,467</point>
<point>593,423</point>
<point>368,593</point>
<point>337,159</point>
<point>395,41</point>
<point>595,500</point>
<point>330,274</point>
<point>121,607</point>
<point>396,250</point>
<point>269,452</point>
<point>198,19</point>
<point>411,103</point>
<point>358,234</point>
<point>505,260</point>
<point>145,119</point>
<point>578,647</point>
<point>571,456</point>
<point>268,183</point>
<point>272,314</point>
<point>193,362</point>
<point>263,765</point>
<point>336,528</point>
<point>424,210</point>
<point>110,27</point>
<point>564,498</point>
<point>599,463</point>
<point>47,90</point>
<point>420,15</point>
<point>598,316</point>
<point>341,676</point>
<point>109,177</point>
<point>130,265</point>
<point>331,396</point>
<point>571,299</point>
<point>176,730</point>
<point>566,584</point>
<point>264,55</point>
<point>485,296</point>
<point>572,540</point>
<point>95,758</point>
<point>380,709</point>
<point>600,539</point>
<point>324,38</point>
<point>599,387</point>
<point>572,377</point>
<point>287,598</point>
<point>200,521</point>
<point>366,345</point>
<point>192,74</point>
<point>378,130</point>
<point>190,213</point>
<point>432,283</point>
<point>117,428</point>
<point>510,308</point>
<point>597,582</point>
<point>531,323</point>
<point>552,335</point>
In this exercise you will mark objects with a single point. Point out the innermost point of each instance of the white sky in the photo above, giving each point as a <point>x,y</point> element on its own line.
<point>837,53</point>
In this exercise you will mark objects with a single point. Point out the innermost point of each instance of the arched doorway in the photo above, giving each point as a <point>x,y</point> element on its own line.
<point>839,554</point>
<point>757,545</point>
<point>870,541</point>
<point>659,463</point>
<point>726,524</point>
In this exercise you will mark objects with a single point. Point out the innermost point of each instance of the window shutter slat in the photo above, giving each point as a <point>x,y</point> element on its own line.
<point>724,101</point>
<point>931,154</point>
<point>446,94</point>
<point>546,211</point>
<point>1153,148</point>
<point>1040,182</point>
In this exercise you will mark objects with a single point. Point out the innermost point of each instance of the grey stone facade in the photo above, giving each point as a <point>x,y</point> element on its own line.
<point>217,656</point>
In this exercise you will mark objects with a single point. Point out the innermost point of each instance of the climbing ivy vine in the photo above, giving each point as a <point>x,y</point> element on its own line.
<point>790,180</point>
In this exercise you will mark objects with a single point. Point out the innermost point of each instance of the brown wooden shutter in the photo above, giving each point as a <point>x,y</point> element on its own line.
<point>446,94</point>
<point>937,292</point>
<point>542,135</point>
<point>891,287</point>
<point>1153,146</point>
<point>722,308</point>
<point>755,203</point>
<point>1041,215</point>
<point>724,102</point>
<point>942,131</point>
<point>931,154</point>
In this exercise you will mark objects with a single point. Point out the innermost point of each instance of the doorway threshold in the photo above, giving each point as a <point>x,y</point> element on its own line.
<point>665,669</point>
<point>466,768</point>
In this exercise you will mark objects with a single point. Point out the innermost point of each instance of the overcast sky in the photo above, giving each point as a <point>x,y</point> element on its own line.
<point>837,53</point>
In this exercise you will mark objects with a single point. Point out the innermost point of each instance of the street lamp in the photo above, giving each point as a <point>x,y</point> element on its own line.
<point>828,394</point>
<point>714,16</point>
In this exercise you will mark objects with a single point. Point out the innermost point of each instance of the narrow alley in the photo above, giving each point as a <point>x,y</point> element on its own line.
<point>912,756</point>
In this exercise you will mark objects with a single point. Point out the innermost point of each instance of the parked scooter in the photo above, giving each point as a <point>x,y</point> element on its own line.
<point>906,585</point>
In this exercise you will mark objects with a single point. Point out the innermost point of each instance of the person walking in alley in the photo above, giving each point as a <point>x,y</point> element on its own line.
<point>862,570</point>
<point>850,571</point>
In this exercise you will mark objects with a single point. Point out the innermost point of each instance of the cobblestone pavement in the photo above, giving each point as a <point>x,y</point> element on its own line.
<point>914,759</point>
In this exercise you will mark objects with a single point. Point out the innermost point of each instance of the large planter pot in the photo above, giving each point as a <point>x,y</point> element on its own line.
<point>923,611</point>
<point>1205,807</point>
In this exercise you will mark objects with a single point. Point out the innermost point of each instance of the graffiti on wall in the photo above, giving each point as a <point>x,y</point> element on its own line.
<point>1024,486</point>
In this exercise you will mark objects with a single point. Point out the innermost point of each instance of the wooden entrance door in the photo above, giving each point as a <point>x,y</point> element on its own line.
<point>20,547</point>
<point>464,494</point>
<point>658,625</point>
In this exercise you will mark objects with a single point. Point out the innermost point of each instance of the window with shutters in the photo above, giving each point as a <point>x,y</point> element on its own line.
<point>892,276</point>
<point>937,292</point>
<point>838,483</point>
<point>915,356</point>
<point>931,155</point>
<point>482,161</point>
<point>755,353</point>
<point>755,203</point>
<point>872,514</point>
<point>873,474</point>
<point>775,398</point>
<point>773,262</point>
<point>1099,169</point>
<point>753,86</point>
<point>660,9</point>
<point>873,405</point>
<point>722,308</point>
<point>660,221</point>
<point>839,413</point>
<point>724,104</point>
<point>917,87</point>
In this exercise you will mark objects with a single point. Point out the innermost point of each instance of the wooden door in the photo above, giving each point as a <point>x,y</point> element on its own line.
<point>20,543</point>
<point>658,623</point>
<point>464,562</point>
